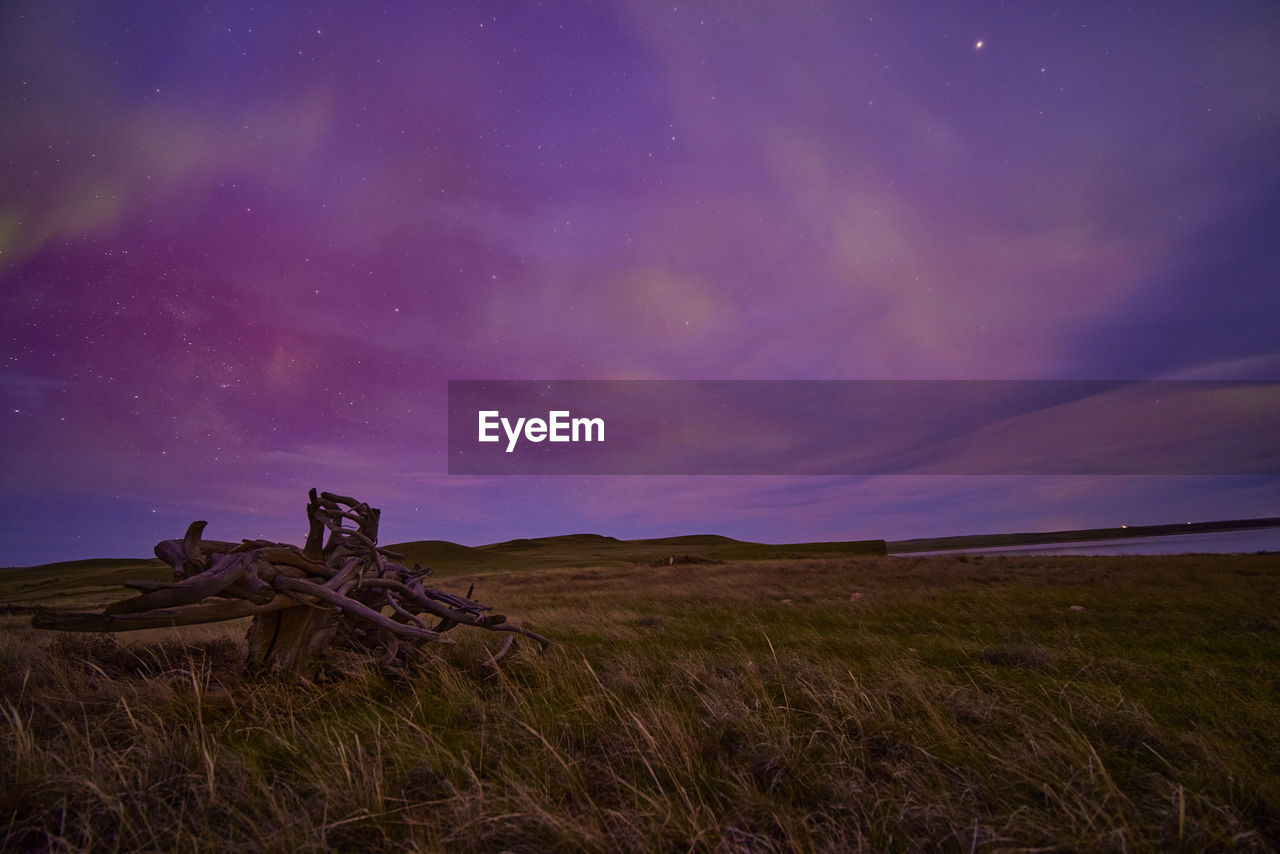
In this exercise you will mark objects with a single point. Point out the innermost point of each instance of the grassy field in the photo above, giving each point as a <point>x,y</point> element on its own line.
<point>808,704</point>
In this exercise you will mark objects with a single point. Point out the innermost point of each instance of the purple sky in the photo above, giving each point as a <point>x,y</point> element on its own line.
<point>244,247</point>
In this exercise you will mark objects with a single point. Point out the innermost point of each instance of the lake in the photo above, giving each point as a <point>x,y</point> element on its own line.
<point>1220,542</point>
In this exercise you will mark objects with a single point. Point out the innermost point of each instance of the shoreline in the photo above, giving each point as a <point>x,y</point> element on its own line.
<point>1081,535</point>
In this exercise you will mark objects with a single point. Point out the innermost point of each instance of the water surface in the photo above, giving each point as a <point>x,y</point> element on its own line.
<point>1216,542</point>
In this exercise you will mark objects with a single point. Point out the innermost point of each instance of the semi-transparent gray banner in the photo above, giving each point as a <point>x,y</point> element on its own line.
<point>587,427</point>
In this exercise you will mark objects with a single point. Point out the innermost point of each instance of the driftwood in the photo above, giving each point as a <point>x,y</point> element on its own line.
<point>346,594</point>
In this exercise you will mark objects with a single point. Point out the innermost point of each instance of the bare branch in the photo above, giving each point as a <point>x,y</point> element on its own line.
<point>212,612</point>
<point>506,647</point>
<point>226,569</point>
<point>191,542</point>
<point>351,606</point>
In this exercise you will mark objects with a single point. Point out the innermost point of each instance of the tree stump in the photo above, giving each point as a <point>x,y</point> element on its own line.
<point>305,602</point>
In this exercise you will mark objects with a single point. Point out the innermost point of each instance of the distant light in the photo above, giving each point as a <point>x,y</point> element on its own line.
<point>978,44</point>
<point>1124,526</point>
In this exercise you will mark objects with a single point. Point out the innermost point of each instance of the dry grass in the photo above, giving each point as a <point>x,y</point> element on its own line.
<point>820,705</point>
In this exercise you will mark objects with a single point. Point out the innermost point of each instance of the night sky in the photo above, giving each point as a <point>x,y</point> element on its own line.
<point>243,247</point>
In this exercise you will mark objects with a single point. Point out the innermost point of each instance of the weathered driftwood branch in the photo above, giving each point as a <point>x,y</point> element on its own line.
<point>347,593</point>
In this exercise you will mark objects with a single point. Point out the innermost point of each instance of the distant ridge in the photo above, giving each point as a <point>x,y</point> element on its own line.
<point>563,539</point>
<point>599,550</point>
<point>690,540</point>
<point>442,554</point>
<point>87,563</point>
